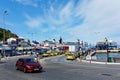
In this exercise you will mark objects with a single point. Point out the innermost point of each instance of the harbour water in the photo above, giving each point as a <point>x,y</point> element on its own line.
<point>105,56</point>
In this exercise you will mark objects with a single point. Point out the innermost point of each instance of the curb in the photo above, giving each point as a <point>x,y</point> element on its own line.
<point>95,62</point>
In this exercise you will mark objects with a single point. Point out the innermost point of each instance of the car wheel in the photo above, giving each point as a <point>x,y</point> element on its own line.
<point>24,70</point>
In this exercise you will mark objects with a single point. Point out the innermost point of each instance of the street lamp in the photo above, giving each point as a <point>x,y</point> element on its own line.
<point>107,53</point>
<point>106,41</point>
<point>78,48</point>
<point>4,13</point>
<point>78,44</point>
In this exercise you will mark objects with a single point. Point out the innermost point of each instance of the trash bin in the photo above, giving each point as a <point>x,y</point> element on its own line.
<point>109,59</point>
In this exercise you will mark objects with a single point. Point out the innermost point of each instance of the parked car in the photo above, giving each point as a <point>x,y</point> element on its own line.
<point>52,54</point>
<point>70,56</point>
<point>19,52</point>
<point>28,65</point>
<point>47,54</point>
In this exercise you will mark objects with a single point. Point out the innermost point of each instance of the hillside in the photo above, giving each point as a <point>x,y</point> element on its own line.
<point>8,34</point>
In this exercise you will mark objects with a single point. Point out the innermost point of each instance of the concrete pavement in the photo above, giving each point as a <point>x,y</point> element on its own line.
<point>42,61</point>
<point>77,60</point>
<point>58,68</point>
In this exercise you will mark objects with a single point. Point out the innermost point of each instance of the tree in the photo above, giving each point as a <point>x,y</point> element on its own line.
<point>8,34</point>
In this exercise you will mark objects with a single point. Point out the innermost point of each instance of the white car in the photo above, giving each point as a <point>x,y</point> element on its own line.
<point>36,58</point>
<point>19,53</point>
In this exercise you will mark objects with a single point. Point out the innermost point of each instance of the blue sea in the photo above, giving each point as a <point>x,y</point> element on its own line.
<point>104,56</point>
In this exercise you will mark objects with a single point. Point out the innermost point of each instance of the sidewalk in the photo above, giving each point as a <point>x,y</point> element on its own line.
<point>97,62</point>
<point>11,57</point>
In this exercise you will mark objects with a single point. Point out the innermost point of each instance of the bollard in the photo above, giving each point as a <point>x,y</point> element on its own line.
<point>81,58</point>
<point>90,61</point>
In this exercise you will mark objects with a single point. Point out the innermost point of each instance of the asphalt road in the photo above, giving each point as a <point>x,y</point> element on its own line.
<point>60,69</point>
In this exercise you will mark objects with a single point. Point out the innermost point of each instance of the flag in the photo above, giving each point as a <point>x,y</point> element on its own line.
<point>105,40</point>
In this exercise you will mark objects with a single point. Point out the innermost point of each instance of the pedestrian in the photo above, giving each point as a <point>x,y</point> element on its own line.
<point>2,53</point>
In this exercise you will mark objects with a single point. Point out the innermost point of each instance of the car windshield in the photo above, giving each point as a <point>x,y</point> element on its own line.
<point>70,54</point>
<point>29,61</point>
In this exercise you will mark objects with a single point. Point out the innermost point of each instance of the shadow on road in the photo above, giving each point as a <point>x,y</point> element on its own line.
<point>39,71</point>
<point>34,72</point>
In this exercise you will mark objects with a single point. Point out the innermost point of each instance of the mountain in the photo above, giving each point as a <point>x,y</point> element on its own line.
<point>8,34</point>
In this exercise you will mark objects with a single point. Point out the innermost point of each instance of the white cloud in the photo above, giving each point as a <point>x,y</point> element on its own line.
<point>66,11</point>
<point>28,2</point>
<point>33,22</point>
<point>61,17</point>
<point>82,19</point>
<point>99,16</point>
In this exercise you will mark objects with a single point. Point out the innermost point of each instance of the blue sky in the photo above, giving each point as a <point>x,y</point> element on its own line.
<point>87,20</point>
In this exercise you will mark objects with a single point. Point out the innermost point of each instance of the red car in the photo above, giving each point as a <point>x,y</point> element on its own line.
<point>28,65</point>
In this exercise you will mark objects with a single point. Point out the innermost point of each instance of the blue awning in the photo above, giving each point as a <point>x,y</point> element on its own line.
<point>5,48</point>
<point>28,47</point>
